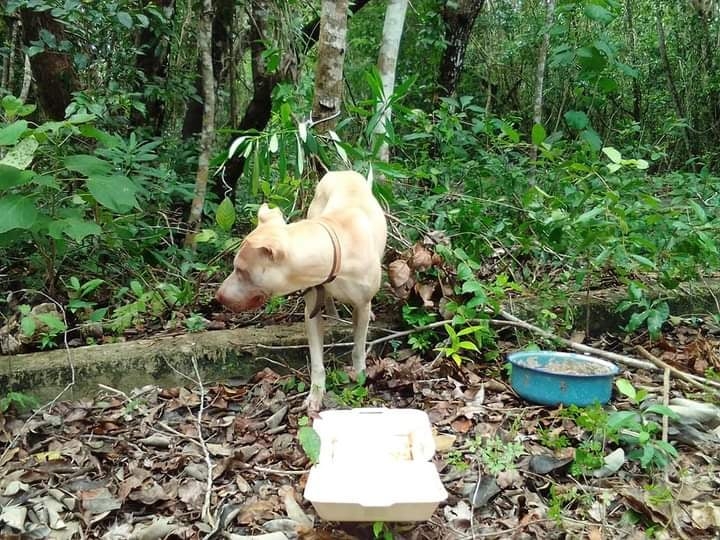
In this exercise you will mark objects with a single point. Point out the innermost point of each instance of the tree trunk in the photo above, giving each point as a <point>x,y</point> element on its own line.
<point>670,78</point>
<point>329,67</point>
<point>54,72</point>
<point>637,92</point>
<point>152,62</point>
<point>459,18</point>
<point>222,25</point>
<point>208,125</point>
<point>8,68</point>
<point>540,72</point>
<point>387,63</point>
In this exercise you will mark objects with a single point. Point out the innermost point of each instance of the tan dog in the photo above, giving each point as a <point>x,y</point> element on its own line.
<point>335,253</point>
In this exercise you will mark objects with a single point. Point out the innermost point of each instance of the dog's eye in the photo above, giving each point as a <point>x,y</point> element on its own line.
<point>242,273</point>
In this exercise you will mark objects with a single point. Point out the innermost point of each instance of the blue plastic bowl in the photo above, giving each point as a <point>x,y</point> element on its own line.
<point>554,378</point>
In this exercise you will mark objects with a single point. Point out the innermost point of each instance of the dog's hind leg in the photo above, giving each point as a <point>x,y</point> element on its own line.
<point>330,309</point>
<point>361,319</point>
<point>314,330</point>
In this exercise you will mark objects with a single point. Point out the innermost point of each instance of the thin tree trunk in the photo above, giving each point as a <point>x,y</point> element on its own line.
<point>459,18</point>
<point>387,63</point>
<point>330,61</point>
<point>670,78</point>
<point>637,92</point>
<point>27,80</point>
<point>55,75</point>
<point>222,25</point>
<point>8,67</point>
<point>208,125</point>
<point>540,72</point>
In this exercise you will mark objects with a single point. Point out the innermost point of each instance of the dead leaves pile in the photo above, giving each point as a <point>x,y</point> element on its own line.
<point>120,467</point>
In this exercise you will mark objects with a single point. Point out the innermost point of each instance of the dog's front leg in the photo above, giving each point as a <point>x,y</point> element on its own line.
<point>361,319</point>
<point>314,330</point>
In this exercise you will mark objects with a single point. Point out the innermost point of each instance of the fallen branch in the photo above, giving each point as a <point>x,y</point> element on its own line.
<point>700,382</point>
<point>675,371</point>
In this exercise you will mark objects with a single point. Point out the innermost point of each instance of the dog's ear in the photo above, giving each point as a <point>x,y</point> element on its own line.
<point>267,214</point>
<point>271,252</point>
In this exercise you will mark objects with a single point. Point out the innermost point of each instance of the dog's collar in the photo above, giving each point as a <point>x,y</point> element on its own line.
<point>337,259</point>
<point>336,251</point>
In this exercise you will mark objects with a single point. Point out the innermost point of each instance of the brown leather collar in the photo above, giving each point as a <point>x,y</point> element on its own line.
<point>334,270</point>
<point>336,252</point>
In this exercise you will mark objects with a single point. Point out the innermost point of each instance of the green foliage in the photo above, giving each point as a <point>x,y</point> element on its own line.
<point>637,430</point>
<point>651,313</point>
<point>418,317</point>
<point>21,402</point>
<point>551,440</point>
<point>498,455</point>
<point>350,393</point>
<point>382,530</point>
<point>309,440</point>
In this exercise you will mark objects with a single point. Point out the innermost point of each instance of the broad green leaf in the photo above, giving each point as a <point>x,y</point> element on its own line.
<point>11,105</point>
<point>598,13</point>
<point>117,193</point>
<point>78,229</point>
<point>643,260</point>
<point>590,214</point>
<point>225,215</point>
<point>310,442</point>
<point>302,131</point>
<point>576,119</point>
<point>12,177</point>
<point>656,318</point>
<point>538,134</point>
<point>641,164</point>
<point>81,118</point>
<point>22,154</point>
<point>88,165</point>
<point>205,235</point>
<point>143,20</point>
<point>663,410</point>
<point>612,154</point>
<point>27,326</point>
<point>591,137</point>
<point>16,212</point>
<point>11,133</point>
<point>626,388</point>
<point>125,19</point>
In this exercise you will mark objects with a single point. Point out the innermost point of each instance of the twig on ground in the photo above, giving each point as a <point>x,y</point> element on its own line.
<point>698,382</point>
<point>279,472</point>
<point>207,517</point>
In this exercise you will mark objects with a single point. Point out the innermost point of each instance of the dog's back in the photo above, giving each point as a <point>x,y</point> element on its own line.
<point>343,192</point>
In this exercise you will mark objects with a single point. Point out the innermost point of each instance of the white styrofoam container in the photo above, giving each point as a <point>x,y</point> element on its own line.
<point>375,465</point>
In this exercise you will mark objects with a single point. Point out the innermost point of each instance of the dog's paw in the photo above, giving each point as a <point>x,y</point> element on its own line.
<point>314,400</point>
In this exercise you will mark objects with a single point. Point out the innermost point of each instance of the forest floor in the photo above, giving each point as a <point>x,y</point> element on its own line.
<point>224,461</point>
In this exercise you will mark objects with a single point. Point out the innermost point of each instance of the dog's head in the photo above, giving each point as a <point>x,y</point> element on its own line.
<point>257,272</point>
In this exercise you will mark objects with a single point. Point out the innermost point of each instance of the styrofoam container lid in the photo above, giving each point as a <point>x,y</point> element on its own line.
<point>374,435</point>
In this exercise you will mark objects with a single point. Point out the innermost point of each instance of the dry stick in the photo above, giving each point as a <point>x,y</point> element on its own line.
<point>690,379</point>
<point>208,460</point>
<point>656,364</point>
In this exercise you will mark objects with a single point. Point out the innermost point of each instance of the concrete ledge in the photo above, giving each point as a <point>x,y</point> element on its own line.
<point>221,355</point>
